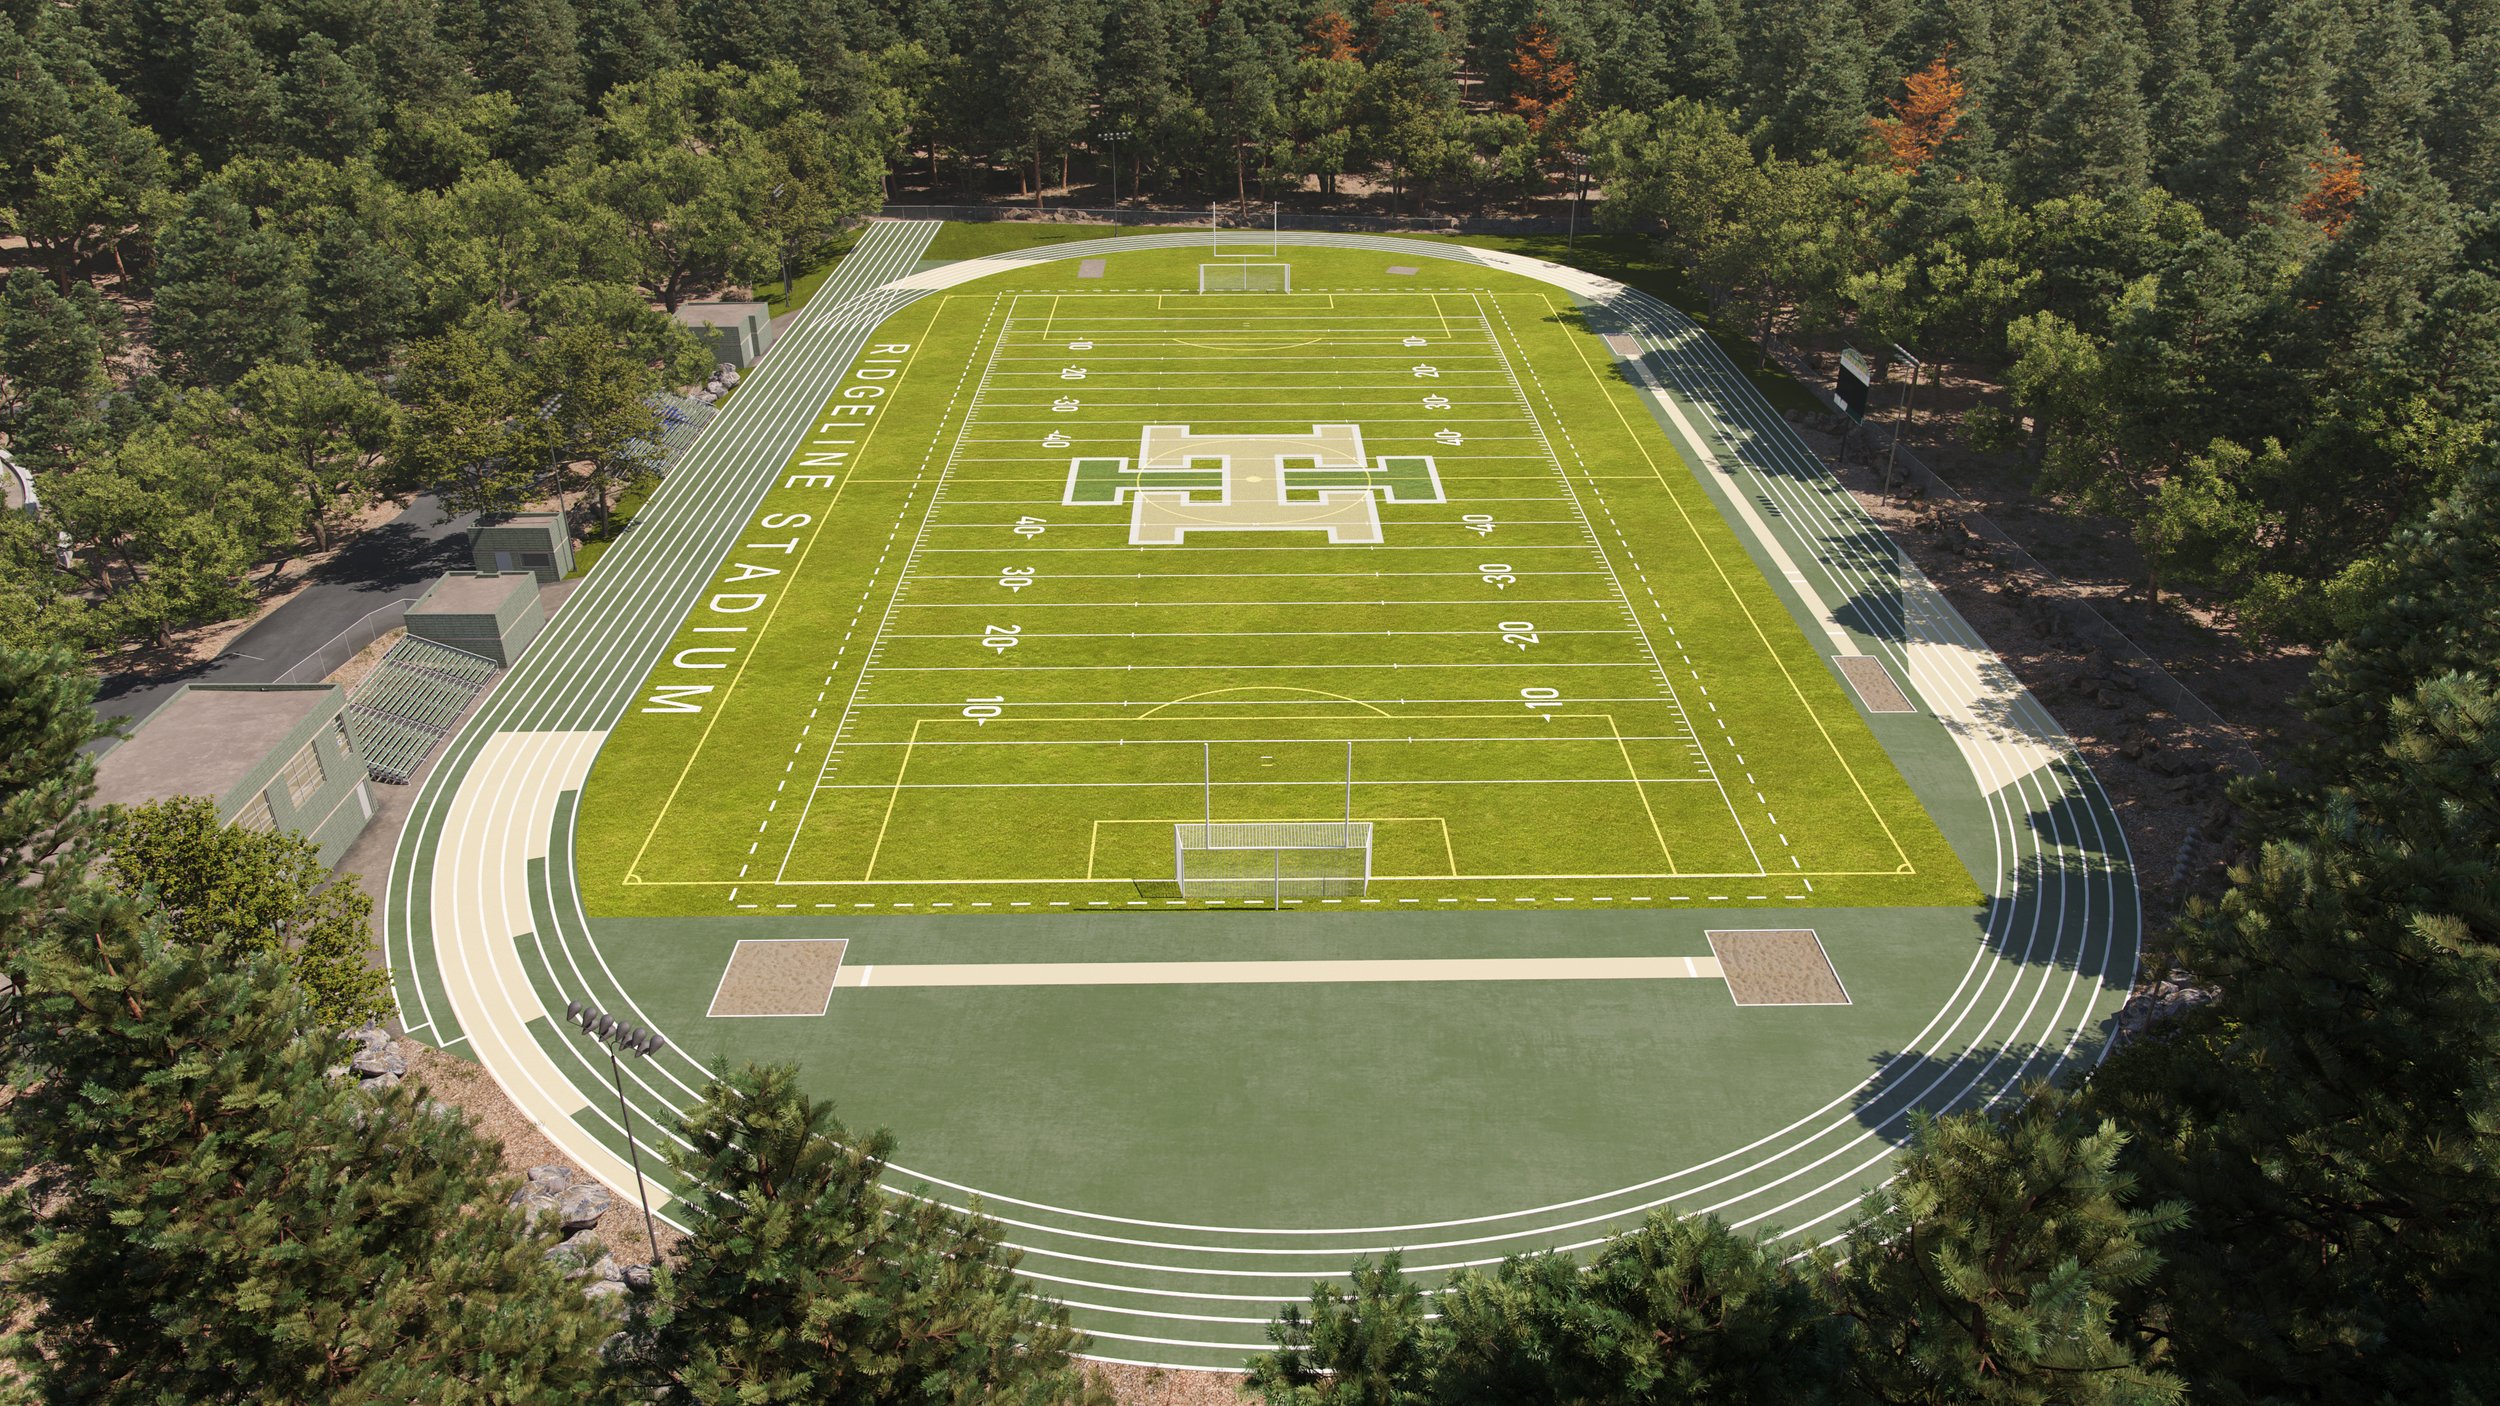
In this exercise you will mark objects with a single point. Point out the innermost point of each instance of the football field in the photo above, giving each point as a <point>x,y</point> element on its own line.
<point>1419,758</point>
<point>1106,563</point>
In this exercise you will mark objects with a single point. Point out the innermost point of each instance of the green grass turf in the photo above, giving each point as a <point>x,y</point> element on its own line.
<point>1626,258</point>
<point>940,686</point>
<point>971,241</point>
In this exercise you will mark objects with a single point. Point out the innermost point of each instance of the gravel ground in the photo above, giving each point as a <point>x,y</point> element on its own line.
<point>467,1087</point>
<point>1149,1386</point>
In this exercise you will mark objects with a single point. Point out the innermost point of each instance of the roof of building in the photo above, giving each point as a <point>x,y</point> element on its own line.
<point>473,592</point>
<point>205,739</point>
<point>722,314</point>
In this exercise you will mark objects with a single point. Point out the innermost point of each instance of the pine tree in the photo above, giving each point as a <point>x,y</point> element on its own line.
<point>2037,72</point>
<point>1989,1267</point>
<point>49,840</point>
<point>94,180</point>
<point>2468,152</point>
<point>803,1280</point>
<point>2099,122</point>
<point>2385,87</point>
<point>1240,85</point>
<point>2332,1114</point>
<point>1679,1310</point>
<point>1822,106</point>
<point>531,49</point>
<point>2183,98</point>
<point>229,102</point>
<point>361,296</point>
<point>627,41</point>
<point>1367,1347</point>
<point>229,292</point>
<point>199,1211</point>
<point>2275,120</point>
<point>325,108</point>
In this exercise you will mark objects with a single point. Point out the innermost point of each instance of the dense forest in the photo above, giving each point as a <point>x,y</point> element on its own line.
<point>2232,267</point>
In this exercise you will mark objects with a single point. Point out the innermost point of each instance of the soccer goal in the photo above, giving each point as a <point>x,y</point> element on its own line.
<point>1245,860</point>
<point>1245,278</point>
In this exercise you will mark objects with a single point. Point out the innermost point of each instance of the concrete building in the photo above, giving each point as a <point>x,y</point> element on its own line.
<point>271,756</point>
<point>537,542</point>
<point>486,613</point>
<point>738,333</point>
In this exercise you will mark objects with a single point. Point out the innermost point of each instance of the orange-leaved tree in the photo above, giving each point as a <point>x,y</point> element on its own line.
<point>1923,119</point>
<point>1542,79</point>
<point>1331,37</point>
<point>2337,189</point>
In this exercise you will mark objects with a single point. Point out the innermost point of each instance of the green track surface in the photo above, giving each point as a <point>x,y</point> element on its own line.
<point>1177,1160</point>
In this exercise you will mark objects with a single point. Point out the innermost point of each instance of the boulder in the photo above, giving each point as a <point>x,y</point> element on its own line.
<point>371,1063</point>
<point>607,1268</point>
<point>543,1191</point>
<point>579,1207</point>
<point>577,1252</point>
<point>638,1277</point>
<point>601,1289</point>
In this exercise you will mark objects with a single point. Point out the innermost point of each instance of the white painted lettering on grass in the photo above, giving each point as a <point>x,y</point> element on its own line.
<point>826,454</point>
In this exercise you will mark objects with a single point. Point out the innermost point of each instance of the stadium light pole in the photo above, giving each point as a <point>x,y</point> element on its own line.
<point>1579,165</point>
<point>1114,139</point>
<point>613,1035</point>
<point>1901,358</point>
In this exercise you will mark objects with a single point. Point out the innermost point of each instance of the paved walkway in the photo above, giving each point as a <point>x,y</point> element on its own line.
<point>389,562</point>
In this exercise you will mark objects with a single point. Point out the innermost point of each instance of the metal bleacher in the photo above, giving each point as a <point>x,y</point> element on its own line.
<point>404,709</point>
<point>681,421</point>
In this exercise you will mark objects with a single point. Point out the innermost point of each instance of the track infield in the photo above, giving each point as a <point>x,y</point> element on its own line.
<point>1105,561</point>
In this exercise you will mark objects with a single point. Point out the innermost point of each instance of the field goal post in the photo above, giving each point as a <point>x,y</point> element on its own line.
<point>1272,859</point>
<point>1245,278</point>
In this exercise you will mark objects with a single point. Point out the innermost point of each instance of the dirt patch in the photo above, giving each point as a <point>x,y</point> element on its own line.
<point>1153,1386</point>
<point>1777,967</point>
<point>786,976</point>
<point>2165,705</point>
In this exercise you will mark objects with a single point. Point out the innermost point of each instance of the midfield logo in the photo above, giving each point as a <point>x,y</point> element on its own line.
<point>1316,482</point>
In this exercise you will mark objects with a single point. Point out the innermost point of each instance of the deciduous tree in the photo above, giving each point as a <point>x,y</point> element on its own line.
<point>238,894</point>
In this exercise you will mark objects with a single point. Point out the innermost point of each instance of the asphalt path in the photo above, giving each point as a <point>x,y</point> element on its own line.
<point>390,561</point>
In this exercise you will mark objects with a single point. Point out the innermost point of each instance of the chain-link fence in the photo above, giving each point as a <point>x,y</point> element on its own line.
<point>348,643</point>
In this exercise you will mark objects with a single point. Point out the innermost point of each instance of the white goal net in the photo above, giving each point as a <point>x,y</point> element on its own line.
<point>1245,278</point>
<point>1244,860</point>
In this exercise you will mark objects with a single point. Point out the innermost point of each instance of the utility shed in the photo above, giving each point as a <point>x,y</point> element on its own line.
<point>491,614</point>
<point>738,333</point>
<point>271,756</point>
<point>537,542</point>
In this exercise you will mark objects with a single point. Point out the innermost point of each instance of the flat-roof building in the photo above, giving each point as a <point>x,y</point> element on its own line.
<point>490,614</point>
<point>536,542</point>
<point>270,756</point>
